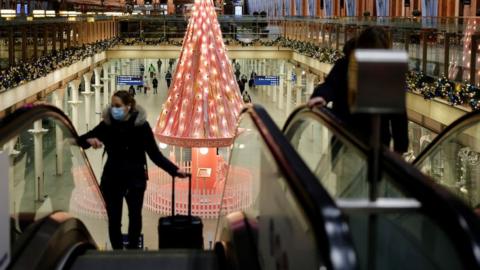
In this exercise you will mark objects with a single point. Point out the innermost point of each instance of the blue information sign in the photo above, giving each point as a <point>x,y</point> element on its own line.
<point>267,80</point>
<point>129,80</point>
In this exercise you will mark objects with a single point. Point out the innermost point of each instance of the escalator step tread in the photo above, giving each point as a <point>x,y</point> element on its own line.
<point>139,260</point>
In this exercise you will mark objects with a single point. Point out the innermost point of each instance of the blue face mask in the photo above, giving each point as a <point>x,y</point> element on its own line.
<point>118,113</point>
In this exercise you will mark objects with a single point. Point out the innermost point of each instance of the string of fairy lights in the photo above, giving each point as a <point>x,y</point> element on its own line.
<point>204,100</point>
<point>456,94</point>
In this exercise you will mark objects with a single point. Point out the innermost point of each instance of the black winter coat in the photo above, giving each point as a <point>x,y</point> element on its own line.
<point>126,143</point>
<point>335,89</point>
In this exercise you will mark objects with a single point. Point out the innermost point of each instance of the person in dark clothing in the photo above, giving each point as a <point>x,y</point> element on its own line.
<point>127,136</point>
<point>171,62</point>
<point>168,78</point>
<point>145,85</point>
<point>142,69</point>
<point>159,65</point>
<point>155,85</point>
<point>237,74</point>
<point>251,82</point>
<point>131,90</point>
<point>335,90</point>
<point>241,85</point>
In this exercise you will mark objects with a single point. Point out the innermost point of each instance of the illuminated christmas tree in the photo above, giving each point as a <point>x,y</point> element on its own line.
<point>204,101</point>
<point>201,113</point>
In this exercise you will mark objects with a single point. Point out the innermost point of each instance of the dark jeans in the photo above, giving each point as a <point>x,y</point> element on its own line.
<point>113,194</point>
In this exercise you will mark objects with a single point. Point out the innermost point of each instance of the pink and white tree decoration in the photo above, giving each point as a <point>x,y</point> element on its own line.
<point>204,100</point>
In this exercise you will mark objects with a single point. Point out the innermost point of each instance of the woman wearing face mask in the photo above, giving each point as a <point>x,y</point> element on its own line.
<point>127,136</point>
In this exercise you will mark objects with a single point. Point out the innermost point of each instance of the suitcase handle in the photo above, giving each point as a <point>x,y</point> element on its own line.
<point>189,195</point>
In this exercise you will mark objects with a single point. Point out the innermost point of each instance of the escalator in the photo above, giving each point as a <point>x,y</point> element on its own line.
<point>404,221</point>
<point>452,159</point>
<point>279,217</point>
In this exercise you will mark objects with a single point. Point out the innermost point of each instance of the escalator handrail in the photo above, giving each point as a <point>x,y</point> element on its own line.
<point>36,244</point>
<point>329,224</point>
<point>459,124</point>
<point>22,118</point>
<point>16,122</point>
<point>459,222</point>
<point>329,120</point>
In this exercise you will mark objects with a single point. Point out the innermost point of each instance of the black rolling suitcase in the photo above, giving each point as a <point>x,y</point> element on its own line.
<point>179,231</point>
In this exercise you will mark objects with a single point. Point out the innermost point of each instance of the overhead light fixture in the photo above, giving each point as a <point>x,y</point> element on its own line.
<point>113,13</point>
<point>38,13</point>
<point>50,13</point>
<point>7,13</point>
<point>70,13</point>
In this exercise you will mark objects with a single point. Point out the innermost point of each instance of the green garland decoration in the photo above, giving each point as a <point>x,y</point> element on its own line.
<point>454,93</point>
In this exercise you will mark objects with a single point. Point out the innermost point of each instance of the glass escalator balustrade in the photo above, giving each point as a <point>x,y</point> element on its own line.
<point>49,172</point>
<point>339,165</point>
<point>403,232</point>
<point>454,162</point>
<point>285,236</point>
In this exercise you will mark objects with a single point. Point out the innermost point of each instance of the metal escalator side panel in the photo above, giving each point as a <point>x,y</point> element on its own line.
<point>447,211</point>
<point>235,245</point>
<point>444,225</point>
<point>49,172</point>
<point>452,159</point>
<point>453,129</point>
<point>296,221</point>
<point>50,242</point>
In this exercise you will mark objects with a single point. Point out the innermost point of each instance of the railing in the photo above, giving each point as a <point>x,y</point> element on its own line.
<point>206,200</point>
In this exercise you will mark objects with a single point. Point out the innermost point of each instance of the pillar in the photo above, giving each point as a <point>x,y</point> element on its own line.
<point>12,154</point>
<point>45,40</point>
<point>310,83</point>
<point>24,44</point>
<point>88,95</point>
<point>54,37</point>
<point>61,29</point>
<point>113,77</point>
<point>106,97</point>
<point>35,42</point>
<point>288,78</point>
<point>281,85</point>
<point>299,86</point>
<point>276,71</point>
<point>98,87</point>
<point>38,131</point>
<point>80,33</point>
<point>11,47</point>
<point>68,31</point>
<point>269,66</point>
<point>264,73</point>
<point>75,102</point>
<point>58,101</point>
